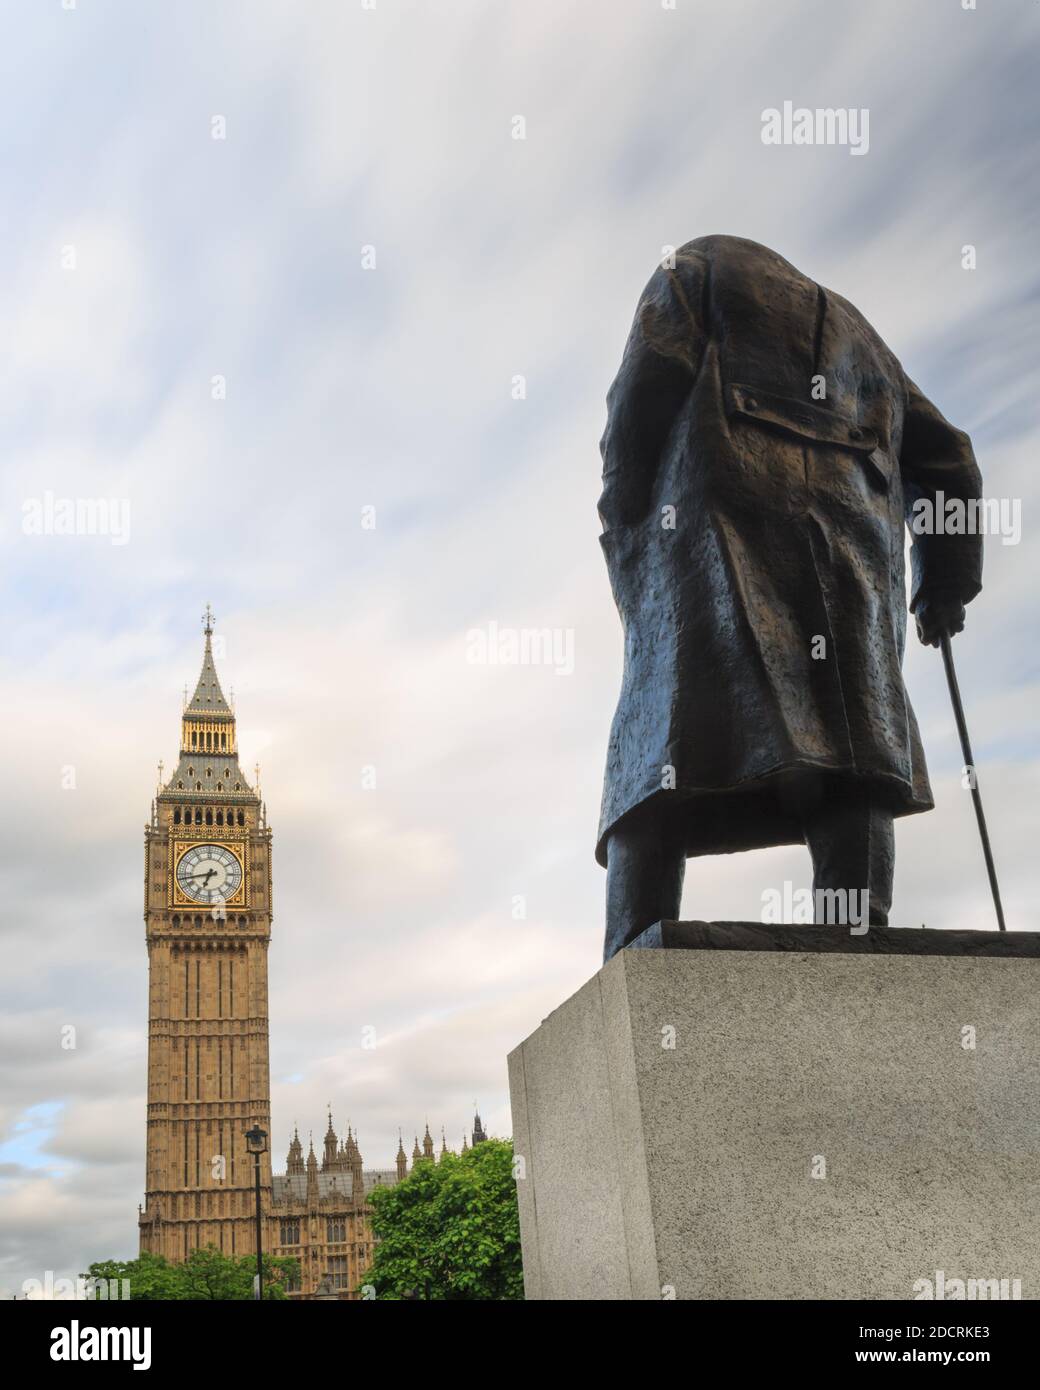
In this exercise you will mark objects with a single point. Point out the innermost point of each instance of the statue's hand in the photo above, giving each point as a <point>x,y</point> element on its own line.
<point>940,616</point>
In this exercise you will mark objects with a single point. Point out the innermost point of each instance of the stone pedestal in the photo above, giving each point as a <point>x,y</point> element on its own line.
<point>776,1122</point>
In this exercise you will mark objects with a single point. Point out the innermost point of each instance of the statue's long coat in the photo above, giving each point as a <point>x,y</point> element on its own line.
<point>754,539</point>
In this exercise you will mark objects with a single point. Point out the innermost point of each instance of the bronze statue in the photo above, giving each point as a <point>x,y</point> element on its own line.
<point>762,452</point>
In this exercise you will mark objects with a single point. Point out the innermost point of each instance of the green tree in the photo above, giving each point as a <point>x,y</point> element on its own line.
<point>205,1275</point>
<point>151,1278</point>
<point>451,1230</point>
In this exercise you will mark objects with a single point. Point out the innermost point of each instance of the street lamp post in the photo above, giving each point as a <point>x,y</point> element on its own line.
<point>256,1143</point>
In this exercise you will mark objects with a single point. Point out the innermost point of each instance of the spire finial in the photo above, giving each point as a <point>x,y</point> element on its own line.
<point>207,621</point>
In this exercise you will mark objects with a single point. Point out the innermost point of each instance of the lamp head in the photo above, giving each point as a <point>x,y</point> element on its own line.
<point>256,1140</point>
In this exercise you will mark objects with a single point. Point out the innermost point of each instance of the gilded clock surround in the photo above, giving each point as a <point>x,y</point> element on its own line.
<point>228,838</point>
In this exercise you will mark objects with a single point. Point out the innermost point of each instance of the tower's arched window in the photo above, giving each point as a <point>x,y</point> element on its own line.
<point>198,815</point>
<point>220,815</point>
<point>209,772</point>
<point>177,816</point>
<point>198,786</point>
<point>194,738</point>
<point>220,786</point>
<point>227,772</point>
<point>241,818</point>
<point>198,922</point>
<point>180,786</point>
<point>238,786</point>
<point>191,772</point>
<point>176,921</point>
<point>223,740</point>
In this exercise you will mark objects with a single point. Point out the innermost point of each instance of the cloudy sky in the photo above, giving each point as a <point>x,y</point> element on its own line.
<point>456,903</point>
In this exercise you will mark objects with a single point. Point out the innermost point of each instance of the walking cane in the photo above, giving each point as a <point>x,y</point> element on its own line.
<point>962,729</point>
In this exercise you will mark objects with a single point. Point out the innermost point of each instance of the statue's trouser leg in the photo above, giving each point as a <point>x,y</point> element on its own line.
<point>644,883</point>
<point>852,845</point>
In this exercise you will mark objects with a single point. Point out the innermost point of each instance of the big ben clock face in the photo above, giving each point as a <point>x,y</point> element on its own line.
<point>209,874</point>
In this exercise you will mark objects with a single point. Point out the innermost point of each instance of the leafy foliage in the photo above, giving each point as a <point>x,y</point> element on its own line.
<point>205,1275</point>
<point>451,1230</point>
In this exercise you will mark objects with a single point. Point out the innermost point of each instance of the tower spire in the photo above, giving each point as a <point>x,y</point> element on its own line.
<point>402,1158</point>
<point>331,1147</point>
<point>357,1170</point>
<point>312,1176</point>
<point>478,1129</point>
<point>295,1164</point>
<point>207,730</point>
<point>208,698</point>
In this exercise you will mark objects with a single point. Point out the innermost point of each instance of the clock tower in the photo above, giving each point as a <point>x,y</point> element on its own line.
<point>207,914</point>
